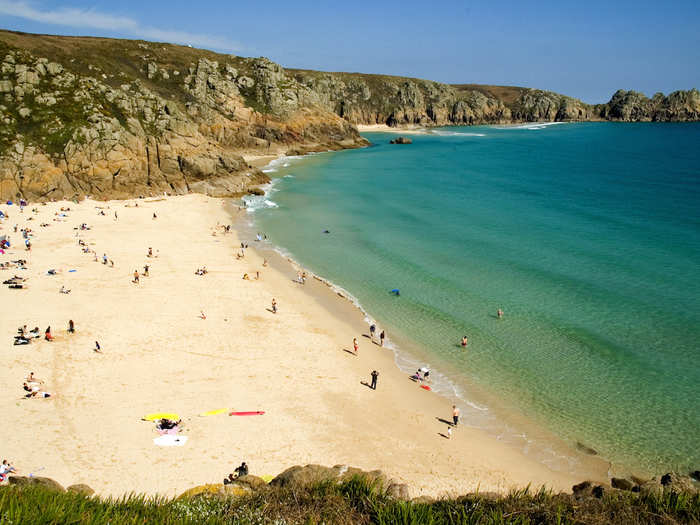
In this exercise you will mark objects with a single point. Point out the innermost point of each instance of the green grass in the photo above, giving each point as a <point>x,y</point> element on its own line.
<point>357,500</point>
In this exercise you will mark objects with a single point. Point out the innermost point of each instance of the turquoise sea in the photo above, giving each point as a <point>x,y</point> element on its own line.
<point>587,235</point>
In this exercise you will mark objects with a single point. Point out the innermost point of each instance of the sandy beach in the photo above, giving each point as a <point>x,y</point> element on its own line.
<point>159,355</point>
<point>407,130</point>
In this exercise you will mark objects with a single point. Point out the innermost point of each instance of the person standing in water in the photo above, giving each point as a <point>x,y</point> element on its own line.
<point>499,314</point>
<point>382,335</point>
<point>464,341</point>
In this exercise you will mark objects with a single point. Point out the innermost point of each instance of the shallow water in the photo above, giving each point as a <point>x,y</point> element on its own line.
<point>586,235</point>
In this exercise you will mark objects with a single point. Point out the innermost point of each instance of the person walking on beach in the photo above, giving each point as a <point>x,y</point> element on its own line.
<point>355,346</point>
<point>274,306</point>
<point>145,270</point>
<point>375,375</point>
<point>97,348</point>
<point>71,327</point>
<point>372,329</point>
<point>455,415</point>
<point>136,277</point>
<point>382,335</point>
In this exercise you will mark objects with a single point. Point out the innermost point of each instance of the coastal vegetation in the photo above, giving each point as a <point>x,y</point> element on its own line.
<point>355,500</point>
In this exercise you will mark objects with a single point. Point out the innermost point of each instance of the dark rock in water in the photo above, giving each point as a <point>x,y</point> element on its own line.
<point>695,475</point>
<point>401,140</point>
<point>256,191</point>
<point>34,480</point>
<point>622,484</point>
<point>81,488</point>
<point>586,449</point>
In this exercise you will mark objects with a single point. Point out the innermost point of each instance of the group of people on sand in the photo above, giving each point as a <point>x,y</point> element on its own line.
<point>32,387</point>
<point>239,472</point>
<point>6,469</point>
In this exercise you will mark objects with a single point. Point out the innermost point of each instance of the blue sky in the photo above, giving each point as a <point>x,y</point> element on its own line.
<point>583,49</point>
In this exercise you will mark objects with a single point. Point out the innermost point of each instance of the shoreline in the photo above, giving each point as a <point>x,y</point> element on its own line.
<point>407,359</point>
<point>159,355</point>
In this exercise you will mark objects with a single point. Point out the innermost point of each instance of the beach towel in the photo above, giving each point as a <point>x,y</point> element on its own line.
<point>170,441</point>
<point>168,431</point>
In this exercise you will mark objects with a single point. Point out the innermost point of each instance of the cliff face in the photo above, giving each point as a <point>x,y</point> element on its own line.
<point>114,119</point>
<point>117,118</point>
<point>631,106</point>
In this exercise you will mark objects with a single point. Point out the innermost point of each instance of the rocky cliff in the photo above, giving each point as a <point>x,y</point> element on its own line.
<point>118,118</point>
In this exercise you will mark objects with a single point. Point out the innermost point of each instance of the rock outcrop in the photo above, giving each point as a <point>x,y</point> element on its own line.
<point>401,140</point>
<point>121,118</point>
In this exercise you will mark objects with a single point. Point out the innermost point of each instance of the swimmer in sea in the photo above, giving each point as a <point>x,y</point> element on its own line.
<point>499,314</point>
<point>464,341</point>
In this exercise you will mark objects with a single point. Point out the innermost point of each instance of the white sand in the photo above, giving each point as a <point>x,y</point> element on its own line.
<point>160,356</point>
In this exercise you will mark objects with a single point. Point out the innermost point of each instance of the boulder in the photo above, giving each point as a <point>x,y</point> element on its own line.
<point>587,489</point>
<point>298,475</point>
<point>398,491</point>
<point>401,140</point>
<point>217,490</point>
<point>81,488</point>
<point>670,482</point>
<point>208,489</point>
<point>695,475</point>
<point>426,500</point>
<point>48,483</point>
<point>622,484</point>
<point>254,482</point>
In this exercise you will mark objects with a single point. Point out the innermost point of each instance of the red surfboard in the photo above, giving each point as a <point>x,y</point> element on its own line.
<point>426,387</point>
<point>256,413</point>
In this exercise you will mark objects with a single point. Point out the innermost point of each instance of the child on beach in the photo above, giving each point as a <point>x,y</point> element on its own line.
<point>355,346</point>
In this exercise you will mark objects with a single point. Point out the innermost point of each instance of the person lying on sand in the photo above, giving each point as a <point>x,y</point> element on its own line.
<point>34,391</point>
<point>64,290</point>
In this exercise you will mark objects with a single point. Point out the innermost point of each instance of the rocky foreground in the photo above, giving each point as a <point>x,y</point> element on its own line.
<point>342,494</point>
<point>120,118</point>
